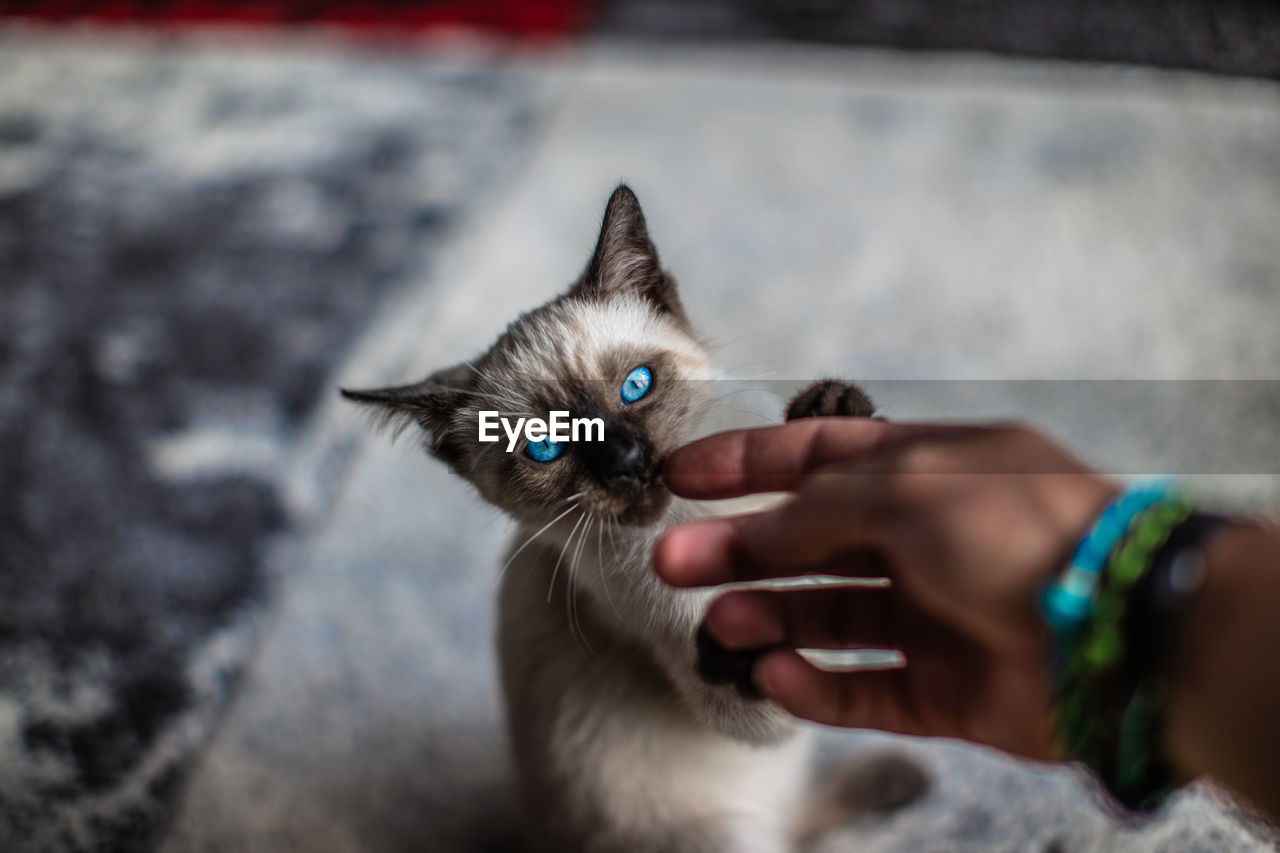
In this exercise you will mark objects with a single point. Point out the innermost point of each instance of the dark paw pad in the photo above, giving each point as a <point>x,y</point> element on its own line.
<point>718,665</point>
<point>831,398</point>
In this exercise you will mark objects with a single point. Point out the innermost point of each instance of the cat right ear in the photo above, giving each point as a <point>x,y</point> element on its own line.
<point>431,404</point>
<point>625,259</point>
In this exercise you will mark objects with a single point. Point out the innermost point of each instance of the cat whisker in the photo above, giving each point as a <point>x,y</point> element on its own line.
<point>569,597</point>
<point>600,562</point>
<point>529,541</point>
<point>575,621</point>
<point>721,395</point>
<point>568,586</point>
<point>563,548</point>
<point>763,418</point>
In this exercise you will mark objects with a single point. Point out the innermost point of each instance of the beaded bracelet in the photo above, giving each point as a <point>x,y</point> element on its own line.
<point>1068,601</point>
<point>1112,638</point>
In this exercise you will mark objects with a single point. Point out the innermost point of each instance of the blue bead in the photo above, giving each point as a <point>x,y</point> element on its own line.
<point>1069,600</point>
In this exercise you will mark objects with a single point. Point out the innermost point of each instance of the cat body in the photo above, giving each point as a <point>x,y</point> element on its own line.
<point>621,745</point>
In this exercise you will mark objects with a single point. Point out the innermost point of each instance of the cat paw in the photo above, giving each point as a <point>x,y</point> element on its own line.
<point>881,783</point>
<point>830,398</point>
<point>720,666</point>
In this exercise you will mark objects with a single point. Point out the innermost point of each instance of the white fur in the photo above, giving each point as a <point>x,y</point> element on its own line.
<point>628,323</point>
<point>621,746</point>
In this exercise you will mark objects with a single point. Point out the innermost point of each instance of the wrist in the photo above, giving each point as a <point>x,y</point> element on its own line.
<point>1117,615</point>
<point>1224,699</point>
<point>1069,506</point>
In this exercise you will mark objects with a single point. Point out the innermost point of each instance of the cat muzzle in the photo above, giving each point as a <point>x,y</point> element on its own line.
<point>624,462</point>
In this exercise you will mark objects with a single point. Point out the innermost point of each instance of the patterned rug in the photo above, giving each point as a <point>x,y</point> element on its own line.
<point>190,240</point>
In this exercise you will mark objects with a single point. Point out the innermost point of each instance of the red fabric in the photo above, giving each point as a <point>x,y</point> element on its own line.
<point>533,18</point>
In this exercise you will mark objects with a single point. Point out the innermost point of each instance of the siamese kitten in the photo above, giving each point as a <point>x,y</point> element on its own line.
<point>632,732</point>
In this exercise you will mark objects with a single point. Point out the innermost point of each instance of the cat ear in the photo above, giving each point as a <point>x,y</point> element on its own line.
<point>625,260</point>
<point>431,404</point>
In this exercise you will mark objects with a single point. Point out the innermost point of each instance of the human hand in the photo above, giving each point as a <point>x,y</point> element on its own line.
<point>967,522</point>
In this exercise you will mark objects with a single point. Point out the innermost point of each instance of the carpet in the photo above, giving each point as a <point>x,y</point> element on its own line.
<point>190,241</point>
<point>200,239</point>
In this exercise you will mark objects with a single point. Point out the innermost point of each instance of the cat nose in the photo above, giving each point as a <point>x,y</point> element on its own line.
<point>620,461</point>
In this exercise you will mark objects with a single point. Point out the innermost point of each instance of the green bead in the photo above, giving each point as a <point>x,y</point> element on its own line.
<point>1175,511</point>
<point>1105,648</point>
<point>1151,534</point>
<point>1128,565</point>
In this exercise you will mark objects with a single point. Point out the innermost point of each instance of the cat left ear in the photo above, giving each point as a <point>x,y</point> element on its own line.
<point>625,260</point>
<point>431,404</point>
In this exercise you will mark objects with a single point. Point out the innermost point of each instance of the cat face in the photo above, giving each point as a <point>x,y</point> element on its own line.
<point>616,347</point>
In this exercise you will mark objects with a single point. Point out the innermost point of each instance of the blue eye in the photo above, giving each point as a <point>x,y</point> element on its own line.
<point>636,385</point>
<point>544,451</point>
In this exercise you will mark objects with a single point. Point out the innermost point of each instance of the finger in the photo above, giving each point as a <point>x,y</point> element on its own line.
<point>700,554</point>
<point>834,512</point>
<point>809,619</point>
<point>772,459</point>
<point>862,700</point>
<point>709,553</point>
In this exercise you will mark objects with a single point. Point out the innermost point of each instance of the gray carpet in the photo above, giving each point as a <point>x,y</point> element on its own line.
<point>191,240</point>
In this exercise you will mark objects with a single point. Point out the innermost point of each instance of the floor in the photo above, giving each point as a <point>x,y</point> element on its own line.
<point>1088,248</point>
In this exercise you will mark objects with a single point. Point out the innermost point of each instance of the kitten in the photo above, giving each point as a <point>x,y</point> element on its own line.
<point>630,734</point>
